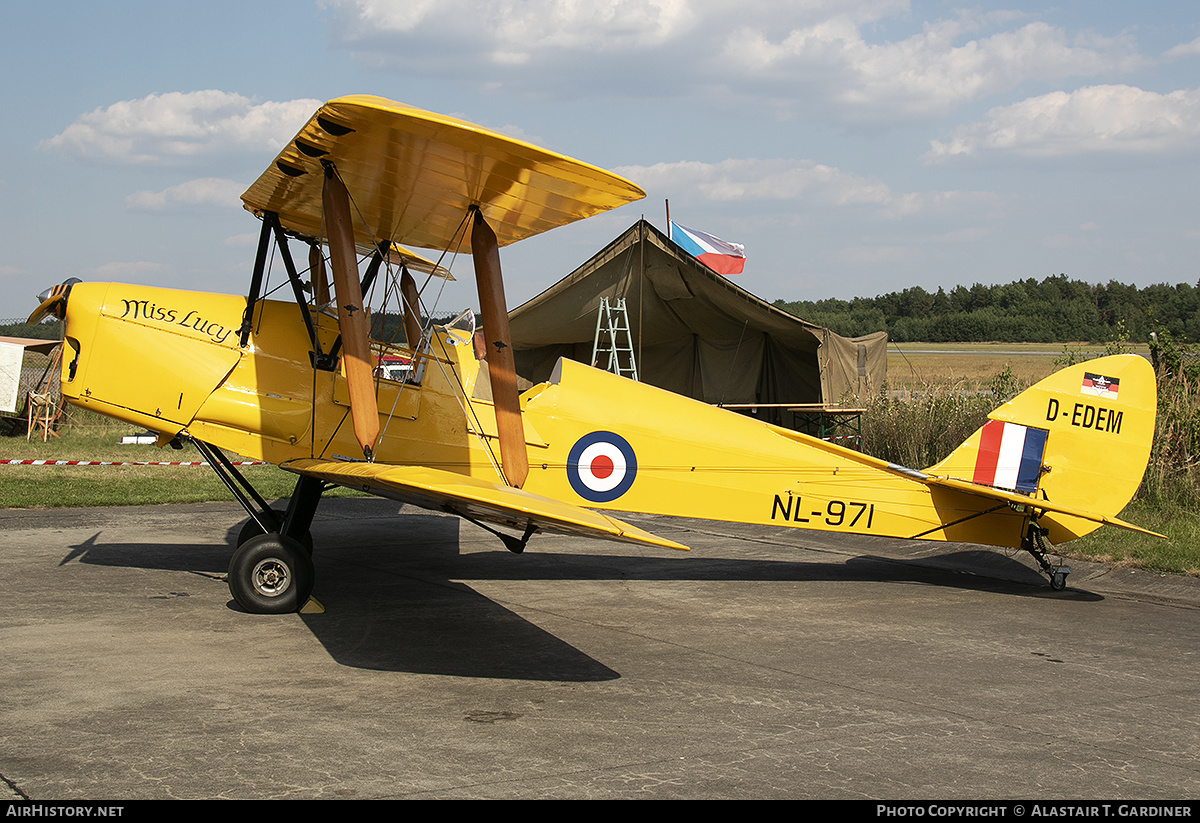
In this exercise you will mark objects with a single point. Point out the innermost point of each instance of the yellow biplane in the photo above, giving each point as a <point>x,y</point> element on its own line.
<point>299,383</point>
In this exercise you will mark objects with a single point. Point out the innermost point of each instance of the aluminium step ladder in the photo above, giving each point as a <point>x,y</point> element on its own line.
<point>612,348</point>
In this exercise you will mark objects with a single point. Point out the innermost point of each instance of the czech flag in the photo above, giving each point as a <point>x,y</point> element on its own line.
<point>721,257</point>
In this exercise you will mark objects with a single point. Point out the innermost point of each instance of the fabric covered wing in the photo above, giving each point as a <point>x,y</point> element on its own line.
<point>473,498</point>
<point>413,174</point>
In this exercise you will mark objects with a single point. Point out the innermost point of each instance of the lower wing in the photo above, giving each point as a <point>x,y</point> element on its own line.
<point>474,499</point>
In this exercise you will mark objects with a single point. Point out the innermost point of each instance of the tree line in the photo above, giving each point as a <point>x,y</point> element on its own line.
<point>1055,310</point>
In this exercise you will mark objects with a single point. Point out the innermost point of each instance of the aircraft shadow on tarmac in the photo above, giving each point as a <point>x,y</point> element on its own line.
<point>394,600</point>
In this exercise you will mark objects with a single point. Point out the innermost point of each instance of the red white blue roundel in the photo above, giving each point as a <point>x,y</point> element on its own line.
<point>601,467</point>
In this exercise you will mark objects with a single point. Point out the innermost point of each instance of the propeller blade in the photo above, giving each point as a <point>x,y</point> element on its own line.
<point>352,319</point>
<point>502,367</point>
<point>53,301</point>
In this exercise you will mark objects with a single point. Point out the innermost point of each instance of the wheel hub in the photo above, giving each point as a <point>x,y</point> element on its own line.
<point>271,577</point>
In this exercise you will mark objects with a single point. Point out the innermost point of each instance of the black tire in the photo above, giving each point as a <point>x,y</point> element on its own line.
<point>275,517</point>
<point>271,574</point>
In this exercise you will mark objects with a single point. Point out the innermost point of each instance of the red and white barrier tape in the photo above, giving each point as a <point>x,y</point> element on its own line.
<point>115,463</point>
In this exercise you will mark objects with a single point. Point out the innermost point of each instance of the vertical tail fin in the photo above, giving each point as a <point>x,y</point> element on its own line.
<point>1079,439</point>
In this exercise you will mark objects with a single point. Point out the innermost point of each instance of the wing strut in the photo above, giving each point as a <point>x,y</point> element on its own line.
<point>352,319</point>
<point>260,264</point>
<point>412,310</point>
<point>502,367</point>
<point>316,268</point>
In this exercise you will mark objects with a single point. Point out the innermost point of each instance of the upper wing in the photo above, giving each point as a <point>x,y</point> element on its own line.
<point>473,498</point>
<point>413,174</point>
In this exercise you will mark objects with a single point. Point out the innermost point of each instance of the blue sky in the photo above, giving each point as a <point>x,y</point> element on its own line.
<point>854,147</point>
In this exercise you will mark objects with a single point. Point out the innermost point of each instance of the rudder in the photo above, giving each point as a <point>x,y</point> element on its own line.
<point>1080,438</point>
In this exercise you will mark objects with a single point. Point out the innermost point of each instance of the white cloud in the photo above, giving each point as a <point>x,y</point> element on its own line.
<point>177,127</point>
<point>806,183</point>
<point>751,179</point>
<point>520,29</point>
<point>1184,50</point>
<point>929,72</point>
<point>746,49</point>
<point>204,192</point>
<point>1096,119</point>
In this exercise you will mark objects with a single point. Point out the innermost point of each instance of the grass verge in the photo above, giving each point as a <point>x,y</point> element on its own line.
<point>89,437</point>
<point>1178,554</point>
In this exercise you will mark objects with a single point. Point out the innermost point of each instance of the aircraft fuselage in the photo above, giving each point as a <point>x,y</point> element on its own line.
<point>171,361</point>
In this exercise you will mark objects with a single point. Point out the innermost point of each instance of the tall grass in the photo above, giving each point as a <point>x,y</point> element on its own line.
<point>919,426</point>
<point>1168,501</point>
<point>1173,475</point>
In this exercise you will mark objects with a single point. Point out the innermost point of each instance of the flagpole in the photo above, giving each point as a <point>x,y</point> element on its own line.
<point>641,287</point>
<point>668,202</point>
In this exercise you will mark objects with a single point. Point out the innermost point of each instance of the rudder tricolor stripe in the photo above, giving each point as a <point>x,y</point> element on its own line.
<point>1010,456</point>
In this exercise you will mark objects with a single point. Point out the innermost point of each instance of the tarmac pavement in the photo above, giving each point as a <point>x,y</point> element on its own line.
<point>765,663</point>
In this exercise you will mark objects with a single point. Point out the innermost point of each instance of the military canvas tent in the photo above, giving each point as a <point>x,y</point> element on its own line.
<point>694,332</point>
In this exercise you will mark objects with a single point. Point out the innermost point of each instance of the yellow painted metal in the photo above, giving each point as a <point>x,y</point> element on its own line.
<point>414,174</point>
<point>151,356</point>
<point>698,461</point>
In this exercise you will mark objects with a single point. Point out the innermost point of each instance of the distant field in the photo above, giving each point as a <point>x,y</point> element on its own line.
<point>916,364</point>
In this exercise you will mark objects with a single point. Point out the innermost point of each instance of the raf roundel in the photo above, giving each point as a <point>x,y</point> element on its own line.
<point>601,467</point>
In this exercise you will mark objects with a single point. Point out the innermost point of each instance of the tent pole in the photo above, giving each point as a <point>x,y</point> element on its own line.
<point>641,286</point>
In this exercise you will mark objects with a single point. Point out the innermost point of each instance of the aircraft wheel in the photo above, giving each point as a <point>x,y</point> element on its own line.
<point>1058,580</point>
<point>271,574</point>
<point>251,529</point>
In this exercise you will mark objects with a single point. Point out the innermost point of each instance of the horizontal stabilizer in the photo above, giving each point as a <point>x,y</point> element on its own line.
<point>1025,500</point>
<point>474,499</point>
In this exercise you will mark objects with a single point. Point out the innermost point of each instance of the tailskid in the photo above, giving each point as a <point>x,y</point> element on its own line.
<point>1034,542</point>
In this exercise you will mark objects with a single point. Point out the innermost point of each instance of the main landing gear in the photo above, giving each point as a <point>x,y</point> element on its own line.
<point>271,574</point>
<point>1034,542</point>
<point>271,571</point>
